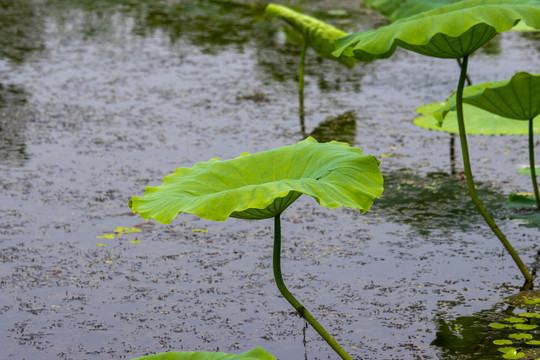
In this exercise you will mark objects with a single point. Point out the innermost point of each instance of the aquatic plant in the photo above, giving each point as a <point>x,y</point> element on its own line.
<point>261,186</point>
<point>451,32</point>
<point>514,99</point>
<point>314,33</point>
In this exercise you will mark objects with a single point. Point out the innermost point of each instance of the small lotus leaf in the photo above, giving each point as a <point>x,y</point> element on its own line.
<point>477,122</point>
<point>506,350</point>
<point>517,98</point>
<point>520,336</point>
<point>514,354</point>
<point>319,35</point>
<point>262,185</point>
<point>497,326</point>
<point>525,327</point>
<point>514,320</point>
<point>526,170</point>
<point>502,342</point>
<point>533,342</point>
<point>255,354</point>
<point>528,315</point>
<point>451,31</point>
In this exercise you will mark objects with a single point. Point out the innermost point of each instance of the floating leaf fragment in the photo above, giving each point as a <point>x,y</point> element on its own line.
<point>126,230</point>
<point>106,236</point>
<point>101,245</point>
<point>200,230</point>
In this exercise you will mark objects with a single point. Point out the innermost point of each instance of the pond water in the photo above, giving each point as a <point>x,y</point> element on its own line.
<point>99,99</point>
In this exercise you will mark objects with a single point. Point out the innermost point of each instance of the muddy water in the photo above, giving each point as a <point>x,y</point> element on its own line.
<point>100,99</point>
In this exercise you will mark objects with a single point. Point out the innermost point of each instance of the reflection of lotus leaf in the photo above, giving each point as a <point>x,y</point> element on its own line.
<point>255,354</point>
<point>341,128</point>
<point>262,185</point>
<point>451,31</point>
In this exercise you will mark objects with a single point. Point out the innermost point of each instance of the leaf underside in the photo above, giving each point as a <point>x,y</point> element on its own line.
<point>262,185</point>
<point>451,31</point>
<point>319,35</point>
<point>255,354</point>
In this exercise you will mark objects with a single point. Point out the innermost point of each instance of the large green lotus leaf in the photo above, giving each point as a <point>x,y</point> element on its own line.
<point>517,98</point>
<point>319,35</point>
<point>262,185</point>
<point>451,31</point>
<point>255,354</point>
<point>477,122</point>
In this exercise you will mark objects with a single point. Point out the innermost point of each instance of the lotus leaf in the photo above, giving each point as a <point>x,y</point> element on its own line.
<point>451,31</point>
<point>478,121</point>
<point>255,354</point>
<point>526,170</point>
<point>319,35</point>
<point>262,185</point>
<point>517,98</point>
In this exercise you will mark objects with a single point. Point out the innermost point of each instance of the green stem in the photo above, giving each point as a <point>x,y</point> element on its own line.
<point>532,165</point>
<point>301,86</point>
<point>468,173</point>
<point>292,300</point>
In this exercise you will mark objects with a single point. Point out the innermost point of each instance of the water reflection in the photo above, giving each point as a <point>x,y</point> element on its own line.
<point>340,128</point>
<point>12,125</point>
<point>509,326</point>
<point>436,202</point>
<point>210,25</point>
<point>21,31</point>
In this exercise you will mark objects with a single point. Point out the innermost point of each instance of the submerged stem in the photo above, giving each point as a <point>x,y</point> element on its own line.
<point>301,86</point>
<point>468,173</point>
<point>292,300</point>
<point>532,165</point>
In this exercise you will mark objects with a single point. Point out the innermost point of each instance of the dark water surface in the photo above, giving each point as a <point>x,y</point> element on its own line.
<point>100,98</point>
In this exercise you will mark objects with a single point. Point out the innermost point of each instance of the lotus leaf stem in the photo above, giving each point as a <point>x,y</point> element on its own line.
<point>293,301</point>
<point>532,164</point>
<point>301,85</point>
<point>469,176</point>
